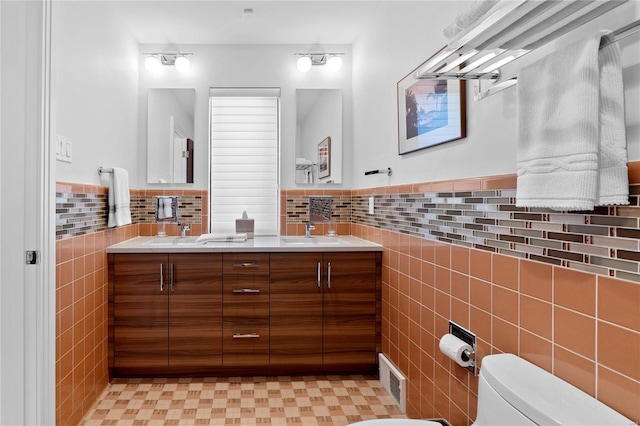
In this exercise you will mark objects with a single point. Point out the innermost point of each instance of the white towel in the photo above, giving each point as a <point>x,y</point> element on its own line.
<point>163,212</point>
<point>228,238</point>
<point>471,13</point>
<point>167,207</point>
<point>119,199</point>
<point>572,150</point>
<point>303,162</point>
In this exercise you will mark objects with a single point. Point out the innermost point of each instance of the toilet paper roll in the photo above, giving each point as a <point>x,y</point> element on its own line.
<point>454,348</point>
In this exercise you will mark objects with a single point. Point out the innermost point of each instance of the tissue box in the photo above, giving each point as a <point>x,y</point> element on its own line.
<point>244,226</point>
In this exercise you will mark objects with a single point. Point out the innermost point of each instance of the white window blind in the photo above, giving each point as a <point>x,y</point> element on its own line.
<point>244,159</point>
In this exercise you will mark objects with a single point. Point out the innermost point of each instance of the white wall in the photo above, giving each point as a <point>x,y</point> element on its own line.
<point>100,99</point>
<point>412,32</point>
<point>95,91</point>
<point>243,66</point>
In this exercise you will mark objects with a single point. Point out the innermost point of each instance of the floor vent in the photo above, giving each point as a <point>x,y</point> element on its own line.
<point>393,381</point>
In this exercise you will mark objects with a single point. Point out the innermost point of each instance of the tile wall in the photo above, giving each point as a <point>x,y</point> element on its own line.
<point>192,207</point>
<point>81,297</point>
<point>558,289</point>
<point>294,211</point>
<point>81,283</point>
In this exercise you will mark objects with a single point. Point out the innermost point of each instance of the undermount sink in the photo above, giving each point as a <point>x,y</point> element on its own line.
<point>171,241</point>
<point>308,241</point>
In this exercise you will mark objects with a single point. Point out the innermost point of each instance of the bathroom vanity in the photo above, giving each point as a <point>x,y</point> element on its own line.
<point>269,305</point>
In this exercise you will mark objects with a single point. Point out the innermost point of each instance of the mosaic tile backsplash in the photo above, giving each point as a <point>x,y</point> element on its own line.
<point>604,241</point>
<point>297,207</point>
<point>81,211</point>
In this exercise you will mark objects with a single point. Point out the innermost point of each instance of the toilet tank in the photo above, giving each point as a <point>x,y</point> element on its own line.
<point>513,391</point>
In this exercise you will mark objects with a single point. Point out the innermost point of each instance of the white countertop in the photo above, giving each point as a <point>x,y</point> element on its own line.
<point>258,244</point>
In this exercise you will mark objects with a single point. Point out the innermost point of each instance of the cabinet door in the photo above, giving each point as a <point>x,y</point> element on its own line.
<point>195,310</point>
<point>296,309</point>
<point>350,308</point>
<point>140,311</point>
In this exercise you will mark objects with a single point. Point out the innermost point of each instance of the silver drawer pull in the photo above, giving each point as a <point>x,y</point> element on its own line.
<point>246,290</point>
<point>246,264</point>
<point>246,336</point>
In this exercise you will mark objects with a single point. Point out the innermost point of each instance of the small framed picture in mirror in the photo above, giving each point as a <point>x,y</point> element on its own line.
<point>324,158</point>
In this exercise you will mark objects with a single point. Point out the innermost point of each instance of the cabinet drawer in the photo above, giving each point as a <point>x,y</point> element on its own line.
<point>245,264</point>
<point>245,343</point>
<point>245,289</point>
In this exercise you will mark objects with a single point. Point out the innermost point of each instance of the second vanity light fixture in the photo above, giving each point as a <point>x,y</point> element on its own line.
<point>333,61</point>
<point>155,61</point>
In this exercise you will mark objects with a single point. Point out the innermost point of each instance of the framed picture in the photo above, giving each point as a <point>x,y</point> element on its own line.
<point>430,112</point>
<point>324,158</point>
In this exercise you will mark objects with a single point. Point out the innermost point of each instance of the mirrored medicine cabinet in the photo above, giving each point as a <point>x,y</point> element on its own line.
<point>170,136</point>
<point>318,136</point>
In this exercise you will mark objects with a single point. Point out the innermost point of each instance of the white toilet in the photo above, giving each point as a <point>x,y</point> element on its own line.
<point>513,392</point>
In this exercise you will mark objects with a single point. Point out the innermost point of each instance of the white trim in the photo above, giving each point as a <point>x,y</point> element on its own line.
<point>46,353</point>
<point>238,92</point>
<point>27,314</point>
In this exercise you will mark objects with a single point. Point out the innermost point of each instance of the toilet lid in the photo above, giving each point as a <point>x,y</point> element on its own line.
<point>396,422</point>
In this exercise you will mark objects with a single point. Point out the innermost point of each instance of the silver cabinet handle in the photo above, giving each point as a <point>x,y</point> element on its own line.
<point>246,264</point>
<point>319,275</point>
<point>329,275</point>
<point>246,336</point>
<point>171,288</point>
<point>246,290</point>
<point>161,277</point>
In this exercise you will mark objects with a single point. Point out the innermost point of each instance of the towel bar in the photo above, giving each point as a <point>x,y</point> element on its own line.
<point>618,35</point>
<point>102,170</point>
<point>509,30</point>
<point>373,172</point>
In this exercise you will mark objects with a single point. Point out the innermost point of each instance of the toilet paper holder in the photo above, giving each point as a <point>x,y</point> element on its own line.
<point>470,339</point>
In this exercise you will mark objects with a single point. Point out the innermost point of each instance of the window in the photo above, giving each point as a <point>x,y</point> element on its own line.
<point>244,141</point>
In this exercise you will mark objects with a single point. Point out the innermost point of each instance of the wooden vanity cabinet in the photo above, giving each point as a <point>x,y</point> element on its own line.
<point>323,309</point>
<point>244,313</point>
<point>165,311</point>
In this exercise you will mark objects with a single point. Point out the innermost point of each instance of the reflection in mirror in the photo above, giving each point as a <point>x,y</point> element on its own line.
<point>320,209</point>
<point>167,209</point>
<point>318,118</point>
<point>170,129</point>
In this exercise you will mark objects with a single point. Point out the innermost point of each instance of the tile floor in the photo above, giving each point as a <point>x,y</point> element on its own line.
<point>302,400</point>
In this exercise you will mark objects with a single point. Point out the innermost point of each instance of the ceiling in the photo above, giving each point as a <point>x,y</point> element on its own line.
<point>272,22</point>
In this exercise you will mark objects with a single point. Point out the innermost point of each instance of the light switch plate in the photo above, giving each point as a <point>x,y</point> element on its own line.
<point>64,150</point>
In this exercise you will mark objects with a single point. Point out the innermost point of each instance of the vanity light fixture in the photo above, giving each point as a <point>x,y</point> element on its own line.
<point>307,60</point>
<point>154,61</point>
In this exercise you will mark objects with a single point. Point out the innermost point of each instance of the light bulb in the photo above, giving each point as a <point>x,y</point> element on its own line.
<point>334,63</point>
<point>182,63</point>
<point>304,64</point>
<point>152,64</point>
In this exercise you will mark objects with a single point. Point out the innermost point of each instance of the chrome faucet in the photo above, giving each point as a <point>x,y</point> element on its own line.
<point>308,227</point>
<point>184,229</point>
